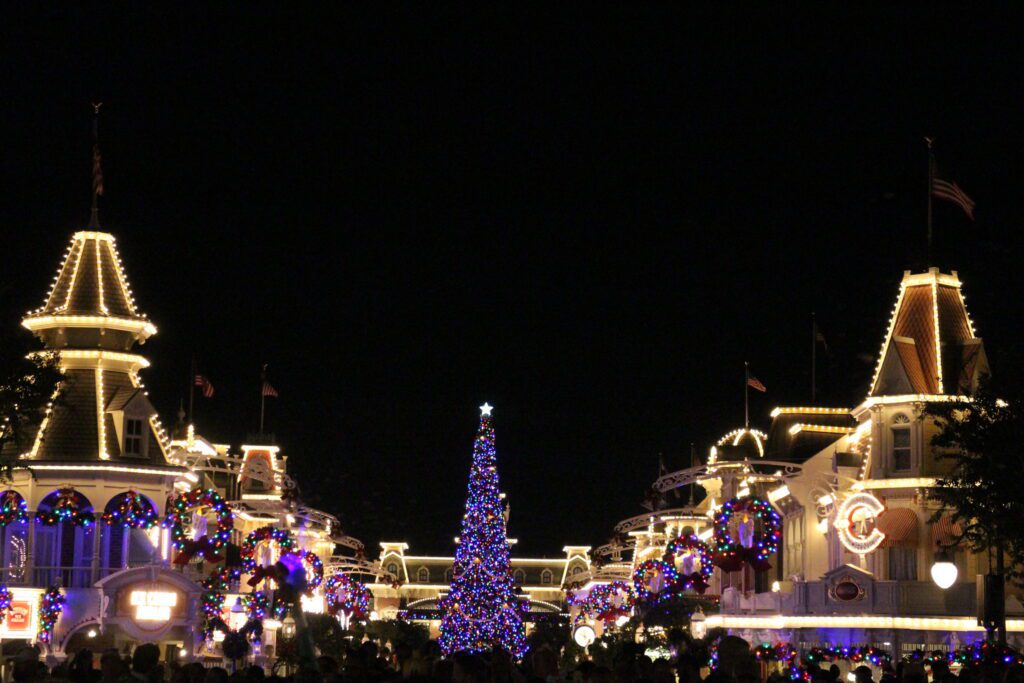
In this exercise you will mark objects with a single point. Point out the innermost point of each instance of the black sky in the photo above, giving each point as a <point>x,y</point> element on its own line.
<point>588,218</point>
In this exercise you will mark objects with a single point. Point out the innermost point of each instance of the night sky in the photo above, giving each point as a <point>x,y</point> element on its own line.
<point>590,220</point>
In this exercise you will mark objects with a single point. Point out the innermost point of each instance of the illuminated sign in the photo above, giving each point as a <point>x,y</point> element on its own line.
<point>20,621</point>
<point>153,605</point>
<point>856,523</point>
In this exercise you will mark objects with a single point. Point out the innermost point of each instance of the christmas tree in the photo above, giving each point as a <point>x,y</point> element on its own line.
<point>481,612</point>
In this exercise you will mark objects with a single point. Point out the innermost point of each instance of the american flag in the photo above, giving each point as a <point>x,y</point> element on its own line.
<point>269,390</point>
<point>951,192</point>
<point>755,383</point>
<point>205,385</point>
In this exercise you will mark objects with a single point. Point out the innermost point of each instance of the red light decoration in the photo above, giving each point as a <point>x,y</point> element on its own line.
<point>758,537</point>
<point>345,594</point>
<point>204,547</point>
<point>692,560</point>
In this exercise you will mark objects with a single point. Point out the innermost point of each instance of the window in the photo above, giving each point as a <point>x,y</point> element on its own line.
<point>423,575</point>
<point>133,437</point>
<point>545,577</point>
<point>793,550</point>
<point>393,569</point>
<point>901,442</point>
<point>903,563</point>
<point>519,576</point>
<point>577,570</point>
<point>448,575</point>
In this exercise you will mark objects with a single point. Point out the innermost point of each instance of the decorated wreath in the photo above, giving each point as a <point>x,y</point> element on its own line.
<point>70,506</point>
<point>132,510</point>
<point>285,544</point>
<point>606,602</point>
<point>50,607</point>
<point>692,560</point>
<point>757,537</point>
<point>13,508</point>
<point>205,547</point>
<point>348,595</point>
<point>259,606</point>
<point>212,604</point>
<point>655,581</point>
<point>315,570</point>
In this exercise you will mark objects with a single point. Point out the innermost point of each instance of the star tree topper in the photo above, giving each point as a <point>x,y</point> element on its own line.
<point>485,409</point>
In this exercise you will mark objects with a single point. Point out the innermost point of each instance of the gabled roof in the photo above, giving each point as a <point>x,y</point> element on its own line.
<point>930,347</point>
<point>798,433</point>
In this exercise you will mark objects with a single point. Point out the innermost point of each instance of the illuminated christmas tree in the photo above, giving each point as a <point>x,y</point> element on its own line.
<point>481,611</point>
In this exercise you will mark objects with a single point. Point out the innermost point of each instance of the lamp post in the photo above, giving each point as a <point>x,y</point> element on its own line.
<point>944,571</point>
<point>698,624</point>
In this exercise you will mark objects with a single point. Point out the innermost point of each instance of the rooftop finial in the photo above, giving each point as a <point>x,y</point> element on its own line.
<point>97,166</point>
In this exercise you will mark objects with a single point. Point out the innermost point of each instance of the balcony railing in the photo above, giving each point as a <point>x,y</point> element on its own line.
<point>66,576</point>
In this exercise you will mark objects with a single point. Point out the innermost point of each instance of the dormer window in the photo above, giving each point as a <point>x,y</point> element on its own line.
<point>134,440</point>
<point>901,455</point>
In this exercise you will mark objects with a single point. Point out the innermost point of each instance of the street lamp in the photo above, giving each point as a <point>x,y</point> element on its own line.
<point>944,571</point>
<point>698,624</point>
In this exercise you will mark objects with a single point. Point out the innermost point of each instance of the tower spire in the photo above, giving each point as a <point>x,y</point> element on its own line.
<point>97,167</point>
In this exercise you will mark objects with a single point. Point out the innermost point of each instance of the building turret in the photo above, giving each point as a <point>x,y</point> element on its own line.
<point>90,318</point>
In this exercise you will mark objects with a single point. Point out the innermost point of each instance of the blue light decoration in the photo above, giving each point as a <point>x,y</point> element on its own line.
<point>983,653</point>
<point>655,581</point>
<point>607,602</point>
<point>481,612</point>
<point>731,552</point>
<point>689,552</point>
<point>50,607</point>
<point>5,602</point>
<point>281,537</point>
<point>347,595</point>
<point>855,655</point>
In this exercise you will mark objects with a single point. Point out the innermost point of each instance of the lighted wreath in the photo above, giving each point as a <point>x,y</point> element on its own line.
<point>132,510</point>
<point>13,508</point>
<point>655,581</point>
<point>259,606</point>
<point>606,602</point>
<point>285,544</point>
<point>345,594</point>
<point>70,506</point>
<point>316,576</point>
<point>50,607</point>
<point>5,602</point>
<point>759,531</point>
<point>205,547</point>
<point>692,560</point>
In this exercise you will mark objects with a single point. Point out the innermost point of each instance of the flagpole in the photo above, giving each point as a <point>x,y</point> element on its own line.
<point>94,217</point>
<point>263,396</point>
<point>746,395</point>
<point>192,392</point>
<point>931,180</point>
<point>692,486</point>
<point>814,357</point>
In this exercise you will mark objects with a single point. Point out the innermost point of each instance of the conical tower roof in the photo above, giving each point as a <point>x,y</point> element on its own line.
<point>930,347</point>
<point>90,302</point>
<point>90,317</point>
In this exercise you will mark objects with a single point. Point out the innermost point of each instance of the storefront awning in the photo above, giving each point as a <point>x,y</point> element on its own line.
<point>899,526</point>
<point>946,531</point>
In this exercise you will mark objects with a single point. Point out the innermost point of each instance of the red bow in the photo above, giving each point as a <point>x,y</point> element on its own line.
<point>202,548</point>
<point>270,571</point>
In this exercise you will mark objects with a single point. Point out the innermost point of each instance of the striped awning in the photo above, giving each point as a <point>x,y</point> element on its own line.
<point>945,531</point>
<point>899,526</point>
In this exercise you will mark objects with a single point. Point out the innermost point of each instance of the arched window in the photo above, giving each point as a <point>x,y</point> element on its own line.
<point>901,455</point>
<point>519,576</point>
<point>124,539</point>
<point>578,569</point>
<point>545,577</point>
<point>63,547</point>
<point>13,537</point>
<point>423,575</point>
<point>393,569</point>
<point>448,575</point>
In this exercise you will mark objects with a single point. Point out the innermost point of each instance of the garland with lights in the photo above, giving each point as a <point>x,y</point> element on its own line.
<point>855,655</point>
<point>204,547</point>
<point>313,561</point>
<point>779,652</point>
<point>982,653</point>
<point>13,508</point>
<point>69,507</point>
<point>258,606</point>
<point>606,602</point>
<point>481,611</point>
<point>687,551</point>
<point>753,546</point>
<point>285,544</point>
<point>5,602</point>
<point>131,510</point>
<point>654,581</point>
<point>50,607</point>
<point>348,595</point>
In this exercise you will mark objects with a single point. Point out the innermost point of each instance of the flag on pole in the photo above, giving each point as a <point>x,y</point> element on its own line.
<point>755,383</point>
<point>268,390</point>
<point>951,192</point>
<point>204,384</point>
<point>818,336</point>
<point>97,170</point>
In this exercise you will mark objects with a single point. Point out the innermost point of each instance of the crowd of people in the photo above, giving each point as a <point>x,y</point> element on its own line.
<point>367,663</point>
